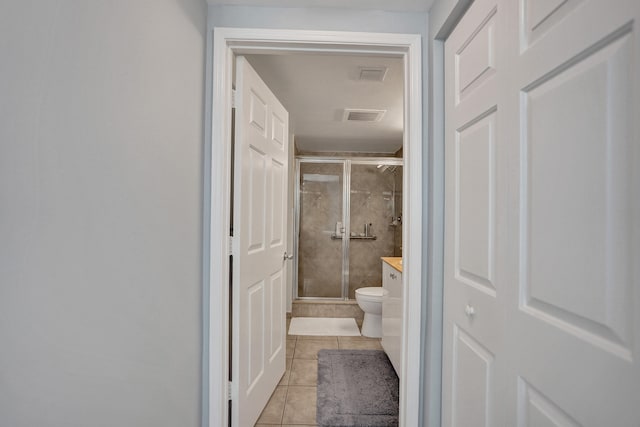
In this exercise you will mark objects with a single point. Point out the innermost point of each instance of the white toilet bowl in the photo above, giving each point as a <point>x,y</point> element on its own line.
<point>370,301</point>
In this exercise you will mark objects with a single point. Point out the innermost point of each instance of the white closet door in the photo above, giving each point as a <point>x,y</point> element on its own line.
<point>474,288</point>
<point>542,234</point>
<point>573,317</point>
<point>260,185</point>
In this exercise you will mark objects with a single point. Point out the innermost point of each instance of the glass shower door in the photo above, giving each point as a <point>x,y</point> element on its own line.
<point>320,228</point>
<point>373,207</point>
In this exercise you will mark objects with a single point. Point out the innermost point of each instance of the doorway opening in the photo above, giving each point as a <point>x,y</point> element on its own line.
<point>346,129</point>
<point>231,42</point>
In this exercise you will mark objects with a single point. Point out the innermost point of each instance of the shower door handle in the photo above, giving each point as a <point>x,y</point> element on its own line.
<point>286,257</point>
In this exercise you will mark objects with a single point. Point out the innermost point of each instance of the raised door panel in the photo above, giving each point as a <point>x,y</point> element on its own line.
<point>473,382</point>
<point>257,113</point>
<point>575,212</point>
<point>256,200</point>
<point>278,204</point>
<point>475,58</point>
<point>475,204</point>
<point>276,301</point>
<point>256,295</point>
<point>540,16</point>
<point>537,410</point>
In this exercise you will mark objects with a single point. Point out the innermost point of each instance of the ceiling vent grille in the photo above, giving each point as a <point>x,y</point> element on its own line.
<point>359,115</point>
<point>373,74</point>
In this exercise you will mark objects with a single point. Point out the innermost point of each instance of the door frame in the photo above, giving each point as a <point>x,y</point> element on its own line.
<point>444,16</point>
<point>216,296</point>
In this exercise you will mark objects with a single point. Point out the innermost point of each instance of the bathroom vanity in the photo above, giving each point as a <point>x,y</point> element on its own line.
<point>392,304</point>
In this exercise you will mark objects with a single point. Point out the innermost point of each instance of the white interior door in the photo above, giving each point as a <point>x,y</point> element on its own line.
<point>474,288</point>
<point>260,185</point>
<point>543,100</point>
<point>574,313</point>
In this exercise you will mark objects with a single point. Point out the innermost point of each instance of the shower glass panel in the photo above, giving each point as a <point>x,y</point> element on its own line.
<point>349,214</point>
<point>320,252</point>
<point>373,207</point>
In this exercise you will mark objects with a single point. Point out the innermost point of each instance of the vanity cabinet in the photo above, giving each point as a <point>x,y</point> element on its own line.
<point>392,304</point>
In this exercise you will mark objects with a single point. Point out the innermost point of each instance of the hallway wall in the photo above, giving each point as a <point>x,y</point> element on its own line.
<point>100,221</point>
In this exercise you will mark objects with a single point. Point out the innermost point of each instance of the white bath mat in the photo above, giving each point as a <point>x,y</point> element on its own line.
<point>328,326</point>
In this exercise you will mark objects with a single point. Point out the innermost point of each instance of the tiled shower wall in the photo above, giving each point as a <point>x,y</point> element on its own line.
<point>374,193</point>
<point>372,201</point>
<point>320,257</point>
<point>397,239</point>
<point>397,248</point>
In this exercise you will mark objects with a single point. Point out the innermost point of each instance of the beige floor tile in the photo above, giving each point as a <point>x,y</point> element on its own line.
<point>317,337</point>
<point>300,407</point>
<point>304,372</point>
<point>287,372</point>
<point>359,343</point>
<point>298,425</point>
<point>308,349</point>
<point>358,338</point>
<point>272,413</point>
<point>291,345</point>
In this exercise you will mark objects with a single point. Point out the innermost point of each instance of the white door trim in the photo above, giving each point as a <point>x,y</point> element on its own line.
<point>226,43</point>
<point>443,18</point>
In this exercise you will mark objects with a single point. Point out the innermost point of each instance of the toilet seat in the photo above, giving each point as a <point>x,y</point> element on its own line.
<point>373,293</point>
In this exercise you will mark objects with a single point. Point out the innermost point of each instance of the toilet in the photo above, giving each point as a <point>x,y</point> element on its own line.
<point>370,301</point>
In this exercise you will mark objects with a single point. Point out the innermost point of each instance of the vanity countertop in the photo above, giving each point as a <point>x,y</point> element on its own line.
<point>394,261</point>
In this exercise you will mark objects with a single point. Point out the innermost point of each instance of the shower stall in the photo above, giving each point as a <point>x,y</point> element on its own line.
<point>348,215</point>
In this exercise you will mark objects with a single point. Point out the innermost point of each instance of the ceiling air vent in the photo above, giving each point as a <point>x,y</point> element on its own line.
<point>373,74</point>
<point>359,115</point>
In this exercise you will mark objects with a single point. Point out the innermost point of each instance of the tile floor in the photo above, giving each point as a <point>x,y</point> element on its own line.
<point>293,403</point>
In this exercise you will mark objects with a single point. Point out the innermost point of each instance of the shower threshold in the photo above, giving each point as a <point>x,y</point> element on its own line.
<point>327,308</point>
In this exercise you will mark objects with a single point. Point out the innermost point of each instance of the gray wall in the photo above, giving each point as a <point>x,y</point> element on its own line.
<point>100,212</point>
<point>318,19</point>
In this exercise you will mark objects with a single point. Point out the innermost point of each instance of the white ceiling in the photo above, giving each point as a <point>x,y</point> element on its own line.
<point>389,5</point>
<point>316,89</point>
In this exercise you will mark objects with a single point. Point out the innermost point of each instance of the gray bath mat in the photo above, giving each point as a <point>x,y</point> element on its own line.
<point>356,388</point>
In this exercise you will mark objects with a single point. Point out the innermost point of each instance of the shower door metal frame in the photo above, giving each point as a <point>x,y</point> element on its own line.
<point>347,162</point>
<point>296,234</point>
